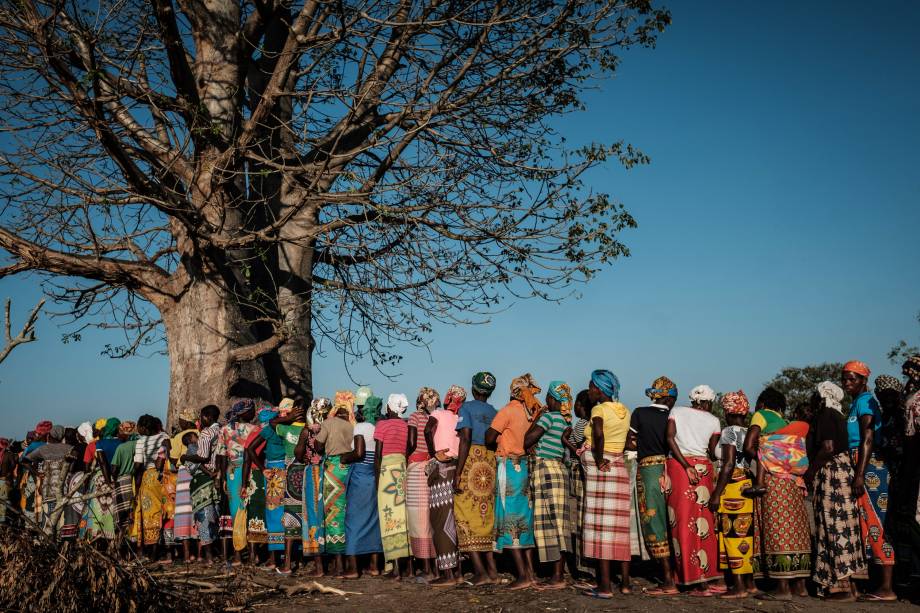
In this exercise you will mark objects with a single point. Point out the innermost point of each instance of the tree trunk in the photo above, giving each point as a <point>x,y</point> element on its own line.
<point>202,329</point>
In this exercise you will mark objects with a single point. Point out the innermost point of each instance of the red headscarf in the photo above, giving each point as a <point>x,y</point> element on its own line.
<point>454,398</point>
<point>43,428</point>
<point>858,367</point>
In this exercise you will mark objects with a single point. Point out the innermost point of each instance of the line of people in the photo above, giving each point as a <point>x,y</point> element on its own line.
<point>354,485</point>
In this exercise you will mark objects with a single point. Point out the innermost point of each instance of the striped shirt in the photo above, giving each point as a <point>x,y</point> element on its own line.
<point>550,444</point>
<point>147,449</point>
<point>366,431</point>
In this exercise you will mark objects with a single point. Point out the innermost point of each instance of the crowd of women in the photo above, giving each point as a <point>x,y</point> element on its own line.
<point>354,485</point>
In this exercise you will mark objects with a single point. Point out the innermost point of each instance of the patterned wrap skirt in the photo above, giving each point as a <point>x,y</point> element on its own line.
<point>256,529</point>
<point>314,525</point>
<point>576,502</point>
<point>205,501</point>
<point>421,540</point>
<point>513,510</point>
<point>782,541</point>
<point>148,518</point>
<point>474,506</point>
<point>549,486</point>
<point>607,509</point>
<point>184,521</point>
<point>693,539</point>
<point>362,527</point>
<point>735,523</point>
<point>391,507</point>
<point>653,509</point>
<point>873,507</point>
<point>124,502</point>
<point>335,483</point>
<point>441,512</point>
<point>99,515</point>
<point>73,512</point>
<point>839,554</point>
<point>293,500</point>
<point>169,507</point>
<point>275,487</point>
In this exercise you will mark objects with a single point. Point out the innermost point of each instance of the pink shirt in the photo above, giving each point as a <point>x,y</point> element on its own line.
<point>419,420</point>
<point>445,434</point>
<point>393,433</point>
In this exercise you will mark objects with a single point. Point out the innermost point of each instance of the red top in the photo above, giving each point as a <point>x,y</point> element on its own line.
<point>419,420</point>
<point>393,433</point>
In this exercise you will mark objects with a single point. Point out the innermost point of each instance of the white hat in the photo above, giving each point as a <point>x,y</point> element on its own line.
<point>398,403</point>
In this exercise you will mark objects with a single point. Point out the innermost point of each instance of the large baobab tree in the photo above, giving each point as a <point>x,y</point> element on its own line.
<point>251,177</point>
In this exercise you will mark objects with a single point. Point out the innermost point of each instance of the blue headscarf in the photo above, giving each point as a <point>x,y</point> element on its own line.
<point>606,382</point>
<point>266,415</point>
<point>239,408</point>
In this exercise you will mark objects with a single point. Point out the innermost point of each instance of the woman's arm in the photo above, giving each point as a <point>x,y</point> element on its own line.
<point>411,440</point>
<point>429,434</point>
<point>466,439</point>
<point>728,466</point>
<point>822,456</point>
<point>533,436</point>
<point>597,443</point>
<point>752,442</point>
<point>492,439</point>
<point>567,442</point>
<point>866,440</point>
<point>671,435</point>
<point>378,459</point>
<point>713,444</point>
<point>357,453</point>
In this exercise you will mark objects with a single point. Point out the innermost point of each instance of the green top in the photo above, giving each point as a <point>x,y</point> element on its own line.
<point>289,433</point>
<point>123,459</point>
<point>550,444</point>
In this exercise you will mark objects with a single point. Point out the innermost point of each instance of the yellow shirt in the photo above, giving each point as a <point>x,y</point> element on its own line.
<point>616,425</point>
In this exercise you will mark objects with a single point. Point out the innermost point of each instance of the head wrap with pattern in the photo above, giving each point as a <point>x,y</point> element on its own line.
<point>398,403</point>
<point>454,397</point>
<point>912,367</point>
<point>127,427</point>
<point>524,389</point>
<point>561,391</point>
<point>483,383</point>
<point>266,415</point>
<point>702,393</point>
<point>239,408</point>
<point>56,433</point>
<point>319,408</point>
<point>111,428</point>
<point>662,387</point>
<point>427,400</point>
<point>858,367</point>
<point>607,383</point>
<point>887,382</point>
<point>42,428</point>
<point>344,400</point>
<point>831,394</point>
<point>371,409</point>
<point>736,403</point>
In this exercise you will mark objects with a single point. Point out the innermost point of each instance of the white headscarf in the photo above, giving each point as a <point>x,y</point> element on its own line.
<point>831,394</point>
<point>86,431</point>
<point>398,403</point>
<point>702,393</point>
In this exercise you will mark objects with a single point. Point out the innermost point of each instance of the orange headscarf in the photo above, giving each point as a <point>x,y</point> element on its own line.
<point>858,367</point>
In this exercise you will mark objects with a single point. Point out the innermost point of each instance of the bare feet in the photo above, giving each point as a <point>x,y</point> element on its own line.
<point>520,584</point>
<point>445,582</point>
<point>478,580</point>
<point>733,595</point>
<point>557,584</point>
<point>350,576</point>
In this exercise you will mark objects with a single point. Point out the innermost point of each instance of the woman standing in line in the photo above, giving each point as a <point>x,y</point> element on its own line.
<point>391,437</point>
<point>421,539</point>
<point>362,527</point>
<point>309,453</point>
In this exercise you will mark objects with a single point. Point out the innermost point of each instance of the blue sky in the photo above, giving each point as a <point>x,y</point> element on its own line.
<point>777,227</point>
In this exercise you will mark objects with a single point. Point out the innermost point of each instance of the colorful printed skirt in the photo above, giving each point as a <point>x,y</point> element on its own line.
<point>474,506</point>
<point>256,530</point>
<point>205,502</point>
<point>549,484</point>
<point>391,507</point>
<point>99,515</point>
<point>275,488</point>
<point>313,537</point>
<point>693,539</point>
<point>576,501</point>
<point>362,527</point>
<point>873,506</point>
<point>736,525</point>
<point>653,508</point>
<point>441,512</point>
<point>169,507</point>
<point>148,517</point>
<point>184,520</point>
<point>421,540</point>
<point>782,540</point>
<point>838,555</point>
<point>607,509</point>
<point>124,502</point>
<point>335,481</point>
<point>513,510</point>
<point>73,512</point>
<point>293,501</point>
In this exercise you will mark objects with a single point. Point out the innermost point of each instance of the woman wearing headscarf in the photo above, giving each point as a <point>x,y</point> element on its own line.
<point>289,427</point>
<point>513,511</point>
<point>549,481</point>
<point>607,488</point>
<point>871,483</point>
<point>309,453</point>
<point>391,435</point>
<point>56,457</point>
<point>648,427</point>
<point>99,514</point>
<point>266,452</point>
<point>838,555</point>
<point>474,481</point>
<point>123,474</point>
<point>231,448</point>
<point>362,527</point>
<point>735,512</point>
<point>782,535</point>
<point>574,440</point>
<point>693,433</point>
<point>31,480</point>
<point>904,518</point>
<point>441,438</point>
<point>421,539</point>
<point>149,457</point>
<point>335,439</point>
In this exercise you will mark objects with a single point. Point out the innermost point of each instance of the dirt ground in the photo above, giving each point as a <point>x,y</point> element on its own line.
<point>380,595</point>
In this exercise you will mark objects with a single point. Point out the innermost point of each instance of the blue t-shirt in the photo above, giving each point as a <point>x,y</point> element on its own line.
<point>477,416</point>
<point>108,446</point>
<point>865,404</point>
<point>274,444</point>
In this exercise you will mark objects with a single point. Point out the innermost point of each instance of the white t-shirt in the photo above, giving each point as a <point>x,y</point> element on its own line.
<point>694,429</point>
<point>367,431</point>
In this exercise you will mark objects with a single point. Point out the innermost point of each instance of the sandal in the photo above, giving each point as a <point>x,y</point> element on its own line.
<point>593,593</point>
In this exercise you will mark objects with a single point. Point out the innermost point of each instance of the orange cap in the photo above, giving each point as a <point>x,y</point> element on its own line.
<point>858,367</point>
